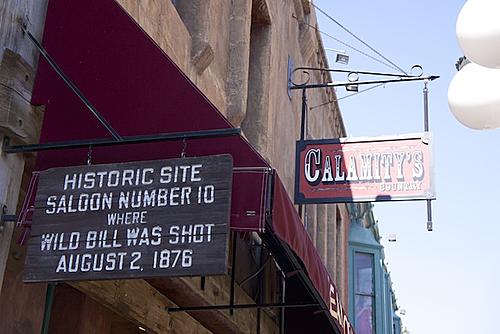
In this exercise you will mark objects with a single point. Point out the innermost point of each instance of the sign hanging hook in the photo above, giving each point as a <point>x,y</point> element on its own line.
<point>184,145</point>
<point>89,156</point>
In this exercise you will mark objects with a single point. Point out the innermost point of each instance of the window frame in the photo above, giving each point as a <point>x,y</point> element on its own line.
<point>378,284</point>
<point>358,292</point>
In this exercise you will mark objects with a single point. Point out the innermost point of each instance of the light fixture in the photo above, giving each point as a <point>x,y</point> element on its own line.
<point>474,97</point>
<point>473,94</point>
<point>478,32</point>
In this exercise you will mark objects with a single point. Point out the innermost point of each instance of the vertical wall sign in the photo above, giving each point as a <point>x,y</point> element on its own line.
<point>364,169</point>
<point>131,220</point>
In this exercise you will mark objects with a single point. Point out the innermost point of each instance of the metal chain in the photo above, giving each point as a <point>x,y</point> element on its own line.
<point>184,145</point>
<point>89,156</point>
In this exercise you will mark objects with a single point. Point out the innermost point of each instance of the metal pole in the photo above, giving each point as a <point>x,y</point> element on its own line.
<point>303,128</point>
<point>70,84</point>
<point>360,83</point>
<point>429,215</point>
<point>240,307</point>
<point>233,276</point>
<point>303,116</point>
<point>98,142</point>
<point>336,70</point>
<point>260,285</point>
<point>426,129</point>
<point>258,321</point>
<point>202,283</point>
<point>283,300</point>
<point>49,299</point>
<point>426,106</point>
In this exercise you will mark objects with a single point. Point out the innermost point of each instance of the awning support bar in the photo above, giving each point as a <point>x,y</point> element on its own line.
<point>239,306</point>
<point>127,140</point>
<point>70,83</point>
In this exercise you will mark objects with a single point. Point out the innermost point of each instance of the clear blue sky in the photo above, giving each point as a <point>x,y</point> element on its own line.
<point>446,280</point>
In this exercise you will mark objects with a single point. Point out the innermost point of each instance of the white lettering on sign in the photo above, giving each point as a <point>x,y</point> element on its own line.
<point>171,258</point>
<point>127,218</point>
<point>196,233</point>
<point>81,203</point>
<point>60,241</point>
<point>133,177</point>
<point>144,236</point>
<point>313,157</point>
<point>87,262</point>
<point>120,260</point>
<point>134,199</point>
<point>180,173</point>
<point>109,179</point>
<point>388,167</point>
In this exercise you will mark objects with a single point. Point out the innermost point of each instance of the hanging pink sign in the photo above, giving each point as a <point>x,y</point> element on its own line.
<point>364,169</point>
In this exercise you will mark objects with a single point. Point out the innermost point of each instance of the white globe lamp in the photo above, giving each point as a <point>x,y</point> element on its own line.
<point>478,32</point>
<point>474,92</point>
<point>474,97</point>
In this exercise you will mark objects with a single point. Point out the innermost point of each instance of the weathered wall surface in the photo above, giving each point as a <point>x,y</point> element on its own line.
<point>21,307</point>
<point>245,47</point>
<point>237,53</point>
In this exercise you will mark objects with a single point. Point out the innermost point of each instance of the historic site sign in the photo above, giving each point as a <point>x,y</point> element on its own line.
<point>364,169</point>
<point>131,220</point>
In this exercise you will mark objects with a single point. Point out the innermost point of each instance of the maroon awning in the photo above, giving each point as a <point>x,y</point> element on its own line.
<point>288,227</point>
<point>130,81</point>
<point>139,90</point>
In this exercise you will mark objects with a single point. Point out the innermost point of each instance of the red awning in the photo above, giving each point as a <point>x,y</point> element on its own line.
<point>130,81</point>
<point>288,227</point>
<point>139,90</point>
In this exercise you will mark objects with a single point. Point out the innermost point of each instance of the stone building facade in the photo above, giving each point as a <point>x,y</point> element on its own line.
<point>239,54</point>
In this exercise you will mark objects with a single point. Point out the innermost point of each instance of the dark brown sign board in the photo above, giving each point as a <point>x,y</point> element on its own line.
<point>131,220</point>
<point>371,169</point>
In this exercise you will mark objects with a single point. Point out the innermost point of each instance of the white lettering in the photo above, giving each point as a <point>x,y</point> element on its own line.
<point>338,169</point>
<point>366,167</point>
<point>352,174</point>
<point>327,172</point>
<point>52,204</point>
<point>418,168</point>
<point>316,154</point>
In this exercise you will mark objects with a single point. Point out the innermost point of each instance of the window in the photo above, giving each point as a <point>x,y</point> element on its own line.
<point>364,292</point>
<point>369,304</point>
